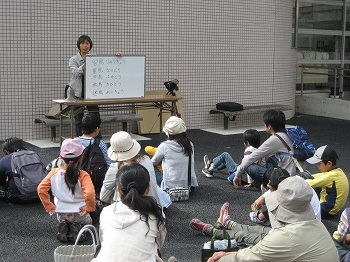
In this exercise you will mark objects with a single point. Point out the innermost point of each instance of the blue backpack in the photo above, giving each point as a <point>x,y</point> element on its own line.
<point>303,148</point>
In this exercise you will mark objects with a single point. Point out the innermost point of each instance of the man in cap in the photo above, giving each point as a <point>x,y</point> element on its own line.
<point>296,234</point>
<point>332,181</point>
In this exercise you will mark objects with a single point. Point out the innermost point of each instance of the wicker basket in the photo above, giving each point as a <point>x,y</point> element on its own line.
<point>78,253</point>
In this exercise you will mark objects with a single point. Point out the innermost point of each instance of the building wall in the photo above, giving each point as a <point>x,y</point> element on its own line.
<point>218,50</point>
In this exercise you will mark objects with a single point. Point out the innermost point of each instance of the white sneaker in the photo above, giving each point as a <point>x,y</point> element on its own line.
<point>207,162</point>
<point>207,172</point>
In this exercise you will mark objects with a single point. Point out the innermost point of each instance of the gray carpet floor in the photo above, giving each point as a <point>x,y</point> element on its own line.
<point>28,233</point>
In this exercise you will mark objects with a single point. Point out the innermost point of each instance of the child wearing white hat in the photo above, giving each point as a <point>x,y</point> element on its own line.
<point>125,149</point>
<point>174,155</point>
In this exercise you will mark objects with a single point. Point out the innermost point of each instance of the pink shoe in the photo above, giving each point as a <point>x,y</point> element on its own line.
<point>198,225</point>
<point>225,217</point>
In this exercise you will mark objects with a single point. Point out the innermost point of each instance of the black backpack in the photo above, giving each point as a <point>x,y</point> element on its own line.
<point>94,163</point>
<point>28,171</point>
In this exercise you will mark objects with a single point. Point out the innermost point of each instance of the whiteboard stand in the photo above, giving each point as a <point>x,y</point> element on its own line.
<point>109,77</point>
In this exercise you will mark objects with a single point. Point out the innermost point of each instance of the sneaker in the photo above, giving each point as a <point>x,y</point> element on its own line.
<point>225,218</point>
<point>254,218</point>
<point>74,229</point>
<point>63,230</point>
<point>207,162</point>
<point>207,172</point>
<point>231,177</point>
<point>198,225</point>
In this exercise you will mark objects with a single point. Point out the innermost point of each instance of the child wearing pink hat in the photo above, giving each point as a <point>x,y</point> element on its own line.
<point>73,191</point>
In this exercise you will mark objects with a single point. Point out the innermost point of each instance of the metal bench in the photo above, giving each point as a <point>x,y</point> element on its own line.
<point>53,123</point>
<point>228,115</point>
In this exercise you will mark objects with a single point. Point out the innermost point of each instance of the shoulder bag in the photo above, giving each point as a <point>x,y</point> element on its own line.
<point>303,173</point>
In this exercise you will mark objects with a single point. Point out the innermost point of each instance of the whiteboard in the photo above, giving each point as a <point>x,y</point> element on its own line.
<point>108,77</point>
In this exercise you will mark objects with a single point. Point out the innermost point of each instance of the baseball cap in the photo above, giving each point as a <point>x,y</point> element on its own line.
<point>71,148</point>
<point>323,153</point>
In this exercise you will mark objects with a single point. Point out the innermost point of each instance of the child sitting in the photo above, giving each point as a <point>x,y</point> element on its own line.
<point>251,140</point>
<point>332,181</point>
<point>132,229</point>
<point>272,177</point>
<point>73,191</point>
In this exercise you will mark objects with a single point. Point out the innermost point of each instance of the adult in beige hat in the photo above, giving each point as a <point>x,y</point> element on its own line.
<point>296,234</point>
<point>125,149</point>
<point>174,154</point>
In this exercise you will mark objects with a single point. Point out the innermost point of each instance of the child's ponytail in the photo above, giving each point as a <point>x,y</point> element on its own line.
<point>71,152</point>
<point>133,183</point>
<point>72,173</point>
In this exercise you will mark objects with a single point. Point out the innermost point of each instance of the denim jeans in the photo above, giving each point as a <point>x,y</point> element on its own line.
<point>225,161</point>
<point>343,251</point>
<point>256,171</point>
<point>159,176</point>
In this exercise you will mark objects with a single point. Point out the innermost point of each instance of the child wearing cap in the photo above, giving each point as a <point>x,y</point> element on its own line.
<point>73,191</point>
<point>332,181</point>
<point>174,155</point>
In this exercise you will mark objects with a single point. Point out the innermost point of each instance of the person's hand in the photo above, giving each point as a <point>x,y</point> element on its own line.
<point>347,239</point>
<point>119,53</point>
<point>82,211</point>
<point>217,255</point>
<point>259,202</point>
<point>52,211</point>
<point>236,181</point>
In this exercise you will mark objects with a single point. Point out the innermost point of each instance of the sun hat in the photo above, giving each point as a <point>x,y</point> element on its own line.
<point>123,147</point>
<point>291,201</point>
<point>174,125</point>
<point>323,153</point>
<point>275,175</point>
<point>71,148</point>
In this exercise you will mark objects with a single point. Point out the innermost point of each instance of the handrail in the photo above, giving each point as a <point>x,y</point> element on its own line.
<point>336,74</point>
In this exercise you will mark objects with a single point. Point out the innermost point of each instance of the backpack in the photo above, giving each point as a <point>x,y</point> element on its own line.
<point>28,171</point>
<point>303,148</point>
<point>94,163</point>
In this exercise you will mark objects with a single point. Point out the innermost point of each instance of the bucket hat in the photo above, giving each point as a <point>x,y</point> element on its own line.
<point>291,201</point>
<point>123,147</point>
